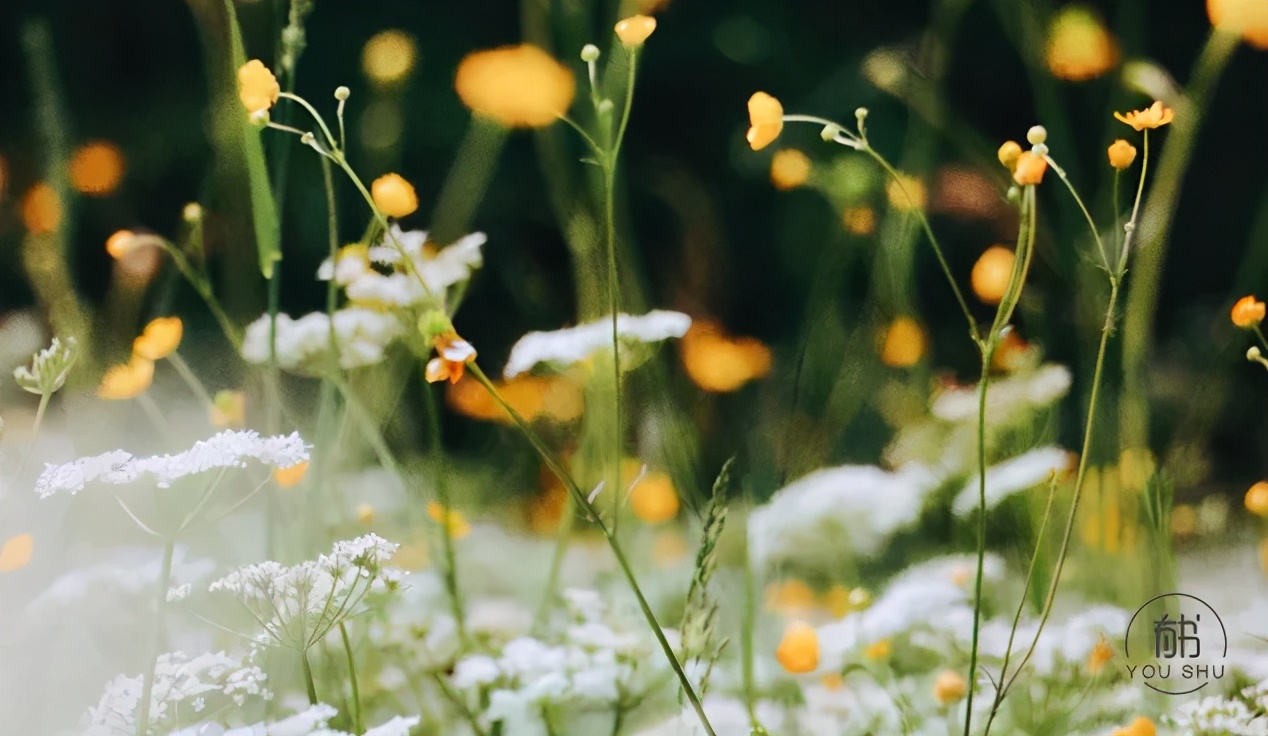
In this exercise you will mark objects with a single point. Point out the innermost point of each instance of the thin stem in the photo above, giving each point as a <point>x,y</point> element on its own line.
<point>191,380</point>
<point>553,462</point>
<point>1100,246</point>
<point>320,122</point>
<point>457,701</point>
<point>309,685</point>
<point>1132,223</point>
<point>1118,216</point>
<point>35,433</point>
<point>160,602</point>
<point>358,719</point>
<point>442,496</point>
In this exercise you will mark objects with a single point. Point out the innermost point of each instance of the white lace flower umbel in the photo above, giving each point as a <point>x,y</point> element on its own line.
<point>361,335</point>
<point>355,270</point>
<point>229,449</point>
<point>574,344</point>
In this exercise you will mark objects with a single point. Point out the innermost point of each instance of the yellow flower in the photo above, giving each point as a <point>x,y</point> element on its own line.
<point>991,274</point>
<point>160,338</point>
<point>904,343</point>
<point>393,195</point>
<point>1079,47</point>
<point>1142,726</point>
<point>1249,18</point>
<point>41,210</point>
<point>765,119</point>
<point>1008,154</point>
<point>1154,116</point>
<point>841,601</point>
<point>878,650</point>
<point>906,192</point>
<point>654,499</point>
<point>791,597</point>
<point>1030,169</point>
<point>858,220</point>
<point>798,651</point>
<point>122,243</point>
<point>1184,520</point>
<point>453,354</point>
<point>518,86</point>
<point>1257,499</point>
<point>949,687</point>
<point>634,30</point>
<point>832,681</point>
<point>453,521</point>
<point>1101,655</point>
<point>1248,312</point>
<point>96,168</point>
<point>229,409</point>
<point>257,87</point>
<point>388,56</point>
<point>1121,154</point>
<point>290,477</point>
<point>718,363</point>
<point>789,169</point>
<point>15,553</point>
<point>127,380</point>
<point>557,398</point>
<point>365,514</point>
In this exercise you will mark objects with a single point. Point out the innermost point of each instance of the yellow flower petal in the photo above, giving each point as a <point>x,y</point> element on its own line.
<point>160,338</point>
<point>518,86</point>
<point>15,553</point>
<point>766,120</point>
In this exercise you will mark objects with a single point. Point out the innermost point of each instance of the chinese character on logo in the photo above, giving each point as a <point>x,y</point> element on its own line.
<point>1171,638</point>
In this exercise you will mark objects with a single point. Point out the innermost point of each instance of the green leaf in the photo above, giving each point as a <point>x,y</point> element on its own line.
<point>268,241</point>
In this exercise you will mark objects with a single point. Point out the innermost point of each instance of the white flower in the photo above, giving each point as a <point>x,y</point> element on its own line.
<point>1068,642</point>
<point>574,344</point>
<point>1012,476</point>
<point>1006,398</point>
<point>229,449</point>
<point>1216,716</point>
<point>398,726</point>
<point>362,336</point>
<point>49,368</point>
<point>856,507</point>
<point>299,605</point>
<point>450,265</point>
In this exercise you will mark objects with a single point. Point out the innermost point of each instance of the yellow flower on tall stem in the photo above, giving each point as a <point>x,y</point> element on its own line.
<point>766,120</point>
<point>1154,116</point>
<point>1121,154</point>
<point>1257,499</point>
<point>1247,18</point>
<point>15,553</point>
<point>518,86</point>
<point>1030,169</point>
<point>290,477</point>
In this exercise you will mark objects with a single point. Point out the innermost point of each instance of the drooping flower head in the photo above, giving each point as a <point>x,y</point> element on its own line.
<point>518,86</point>
<point>1248,312</point>
<point>766,120</point>
<point>452,355</point>
<point>1154,116</point>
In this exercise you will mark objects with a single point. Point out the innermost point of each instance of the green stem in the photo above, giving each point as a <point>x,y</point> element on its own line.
<point>442,496</point>
<point>309,685</point>
<point>1096,235</point>
<point>454,698</point>
<point>191,380</point>
<point>35,433</point>
<point>358,719</point>
<point>156,641</point>
<point>553,462</point>
<point>468,179</point>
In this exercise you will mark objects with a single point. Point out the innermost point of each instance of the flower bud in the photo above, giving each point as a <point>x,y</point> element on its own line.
<point>1121,154</point>
<point>634,30</point>
<point>342,93</point>
<point>1037,135</point>
<point>393,195</point>
<point>1008,153</point>
<point>589,53</point>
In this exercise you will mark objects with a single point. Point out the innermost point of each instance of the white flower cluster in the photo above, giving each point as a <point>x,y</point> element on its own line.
<point>1007,398</point>
<point>1062,646</point>
<point>574,344</point>
<point>1217,716</point>
<point>596,667</point>
<point>855,507</point>
<point>361,337</point>
<point>298,605</point>
<point>49,368</point>
<point>228,449</point>
<point>355,270</point>
<point>313,721</point>
<point>1012,476</point>
<point>182,685</point>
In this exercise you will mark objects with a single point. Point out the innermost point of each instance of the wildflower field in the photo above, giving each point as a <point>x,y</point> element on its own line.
<point>633,368</point>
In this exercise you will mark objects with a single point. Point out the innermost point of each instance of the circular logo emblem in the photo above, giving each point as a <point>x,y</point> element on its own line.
<point>1175,644</point>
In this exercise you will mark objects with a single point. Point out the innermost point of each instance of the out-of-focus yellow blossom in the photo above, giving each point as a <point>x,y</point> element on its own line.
<point>1142,726</point>
<point>160,338</point>
<point>127,380</point>
<point>1154,116</point>
<point>229,409</point>
<point>765,120</point>
<point>546,510</point>
<point>789,169</point>
<point>832,681</point>
<point>15,553</point>
<point>790,597</point>
<point>1102,654</point>
<point>1079,46</point>
<point>991,274</point>
<point>798,651</point>
<point>389,56</point>
<point>452,520</point>
<point>906,192</point>
<point>858,220</point>
<point>290,477</point>
<point>365,514</point>
<point>41,210</point>
<point>1257,499</point>
<point>1247,18</point>
<point>719,363</point>
<point>1008,154</point>
<point>878,650</point>
<point>453,354</point>
<point>1013,354</point>
<point>904,343</point>
<point>122,243</point>
<point>949,687</point>
<point>1184,520</point>
<point>518,86</point>
<point>1248,312</point>
<point>257,87</point>
<point>96,168</point>
<point>394,196</point>
<point>1121,154</point>
<point>841,601</point>
<point>654,499</point>
<point>670,548</point>
<point>557,398</point>
<point>1030,169</point>
<point>635,30</point>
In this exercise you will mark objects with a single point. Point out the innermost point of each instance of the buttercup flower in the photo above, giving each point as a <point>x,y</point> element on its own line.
<point>766,120</point>
<point>1079,47</point>
<point>1121,154</point>
<point>878,650</point>
<point>96,168</point>
<point>453,354</point>
<point>1248,312</point>
<point>653,499</point>
<point>789,169</point>
<point>798,651</point>
<point>452,520</point>
<point>160,338</point>
<point>1154,116</point>
<point>1101,655</point>
<point>719,363</point>
<point>388,56</point>
<point>633,31</point>
<point>949,687</point>
<point>1008,154</point>
<point>1030,169</point>
<point>1249,18</point>
<point>122,243</point>
<point>904,343</point>
<point>394,196</point>
<point>290,477</point>
<point>127,380</point>
<point>257,87</point>
<point>1142,726</point>
<point>41,210</point>
<point>15,553</point>
<point>991,274</point>
<point>1257,499</point>
<point>518,86</point>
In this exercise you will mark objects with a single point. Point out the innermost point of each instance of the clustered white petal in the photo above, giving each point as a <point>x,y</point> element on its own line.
<point>574,344</point>
<point>361,336</point>
<point>399,287</point>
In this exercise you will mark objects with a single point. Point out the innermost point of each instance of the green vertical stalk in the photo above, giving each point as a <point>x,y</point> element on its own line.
<point>156,641</point>
<point>309,684</point>
<point>468,179</point>
<point>358,718</point>
<point>443,498</point>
